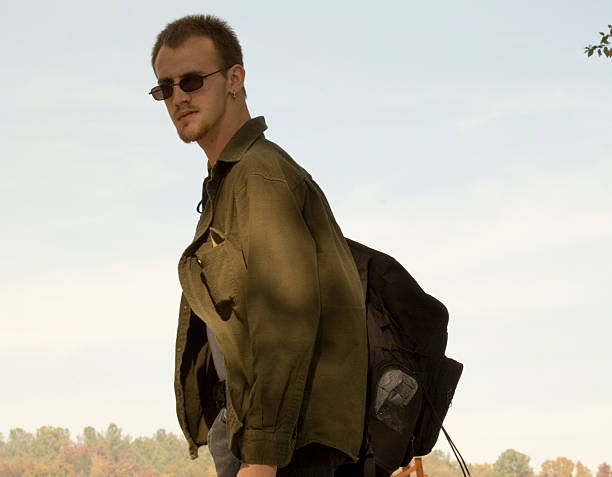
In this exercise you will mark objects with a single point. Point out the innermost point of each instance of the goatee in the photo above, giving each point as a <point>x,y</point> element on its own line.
<point>187,137</point>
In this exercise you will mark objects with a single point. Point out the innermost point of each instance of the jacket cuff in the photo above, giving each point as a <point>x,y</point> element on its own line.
<point>265,447</point>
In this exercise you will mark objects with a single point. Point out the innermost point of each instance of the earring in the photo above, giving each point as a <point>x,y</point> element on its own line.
<point>234,94</point>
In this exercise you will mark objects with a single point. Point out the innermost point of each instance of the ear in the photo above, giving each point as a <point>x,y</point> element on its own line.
<point>235,76</point>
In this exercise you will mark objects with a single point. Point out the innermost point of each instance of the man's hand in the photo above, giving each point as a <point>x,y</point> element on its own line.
<point>256,470</point>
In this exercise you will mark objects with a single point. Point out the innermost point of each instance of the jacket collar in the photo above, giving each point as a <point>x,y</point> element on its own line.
<point>242,140</point>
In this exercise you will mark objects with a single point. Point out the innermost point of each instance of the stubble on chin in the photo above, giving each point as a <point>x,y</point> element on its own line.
<point>192,136</point>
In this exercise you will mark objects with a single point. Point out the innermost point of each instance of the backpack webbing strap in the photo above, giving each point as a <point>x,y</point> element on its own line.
<point>462,465</point>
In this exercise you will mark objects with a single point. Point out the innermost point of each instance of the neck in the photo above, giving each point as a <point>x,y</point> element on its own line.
<point>220,134</point>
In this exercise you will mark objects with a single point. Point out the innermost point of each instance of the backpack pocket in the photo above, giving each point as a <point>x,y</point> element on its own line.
<point>437,400</point>
<point>396,401</point>
<point>394,390</point>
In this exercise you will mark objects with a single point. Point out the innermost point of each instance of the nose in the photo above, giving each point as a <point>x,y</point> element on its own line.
<point>179,96</point>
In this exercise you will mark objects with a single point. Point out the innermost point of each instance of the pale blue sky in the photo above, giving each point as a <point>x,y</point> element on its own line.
<point>470,140</point>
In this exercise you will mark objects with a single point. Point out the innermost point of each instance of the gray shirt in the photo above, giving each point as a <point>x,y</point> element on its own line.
<point>217,354</point>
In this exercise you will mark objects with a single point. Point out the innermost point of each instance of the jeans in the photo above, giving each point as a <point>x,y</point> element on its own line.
<point>312,460</point>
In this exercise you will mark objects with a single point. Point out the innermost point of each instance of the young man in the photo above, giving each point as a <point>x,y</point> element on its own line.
<point>271,352</point>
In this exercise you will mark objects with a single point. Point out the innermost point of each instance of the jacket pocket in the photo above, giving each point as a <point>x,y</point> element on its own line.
<point>216,236</point>
<point>222,273</point>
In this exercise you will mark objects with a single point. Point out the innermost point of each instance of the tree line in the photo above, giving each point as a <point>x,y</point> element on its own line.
<point>50,452</point>
<point>511,463</point>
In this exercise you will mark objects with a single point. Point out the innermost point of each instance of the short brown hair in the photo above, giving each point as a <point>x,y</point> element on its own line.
<point>222,35</point>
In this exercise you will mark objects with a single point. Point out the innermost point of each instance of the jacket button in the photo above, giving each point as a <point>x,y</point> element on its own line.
<point>185,307</point>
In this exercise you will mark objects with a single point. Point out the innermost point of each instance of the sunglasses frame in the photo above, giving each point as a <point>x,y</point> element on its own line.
<point>161,88</point>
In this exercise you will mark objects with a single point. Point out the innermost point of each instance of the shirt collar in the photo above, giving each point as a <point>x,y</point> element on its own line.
<point>241,141</point>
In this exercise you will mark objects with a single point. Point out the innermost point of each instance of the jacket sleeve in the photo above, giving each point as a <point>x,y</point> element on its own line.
<point>282,315</point>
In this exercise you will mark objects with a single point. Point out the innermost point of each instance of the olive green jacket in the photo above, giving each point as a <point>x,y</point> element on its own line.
<point>271,274</point>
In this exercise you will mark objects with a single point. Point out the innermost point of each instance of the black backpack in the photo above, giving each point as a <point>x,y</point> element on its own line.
<point>411,382</point>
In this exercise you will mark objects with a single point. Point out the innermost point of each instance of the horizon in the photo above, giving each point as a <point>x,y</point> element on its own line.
<point>471,142</point>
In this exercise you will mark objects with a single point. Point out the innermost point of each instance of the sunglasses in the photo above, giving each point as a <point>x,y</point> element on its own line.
<point>188,83</point>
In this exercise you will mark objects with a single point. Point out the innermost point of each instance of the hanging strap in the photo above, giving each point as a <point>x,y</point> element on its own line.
<point>462,465</point>
<point>369,464</point>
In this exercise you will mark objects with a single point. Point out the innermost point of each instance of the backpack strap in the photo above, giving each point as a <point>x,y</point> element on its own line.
<point>362,262</point>
<point>369,464</point>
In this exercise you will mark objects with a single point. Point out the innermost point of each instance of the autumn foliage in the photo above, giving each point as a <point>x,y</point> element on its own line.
<point>510,463</point>
<point>51,453</point>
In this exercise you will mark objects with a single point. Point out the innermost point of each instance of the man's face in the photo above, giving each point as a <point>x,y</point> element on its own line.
<point>195,114</point>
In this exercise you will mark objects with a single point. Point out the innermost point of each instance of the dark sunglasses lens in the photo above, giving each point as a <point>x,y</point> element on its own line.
<point>161,92</point>
<point>191,83</point>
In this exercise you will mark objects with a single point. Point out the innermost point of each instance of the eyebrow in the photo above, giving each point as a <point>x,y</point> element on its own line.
<point>189,73</point>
